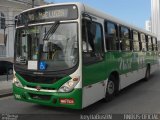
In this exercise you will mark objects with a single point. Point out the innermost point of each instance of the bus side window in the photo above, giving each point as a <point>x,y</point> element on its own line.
<point>146,38</point>
<point>150,43</point>
<point>136,41</point>
<point>92,42</point>
<point>125,43</point>
<point>143,42</point>
<point>112,42</point>
<point>154,44</point>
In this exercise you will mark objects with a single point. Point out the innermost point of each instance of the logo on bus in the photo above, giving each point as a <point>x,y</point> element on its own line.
<point>38,88</point>
<point>67,101</point>
<point>42,65</point>
<point>126,64</point>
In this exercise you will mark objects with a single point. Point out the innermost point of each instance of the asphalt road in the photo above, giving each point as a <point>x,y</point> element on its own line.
<point>141,97</point>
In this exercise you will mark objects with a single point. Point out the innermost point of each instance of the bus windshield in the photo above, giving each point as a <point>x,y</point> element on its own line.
<point>56,44</point>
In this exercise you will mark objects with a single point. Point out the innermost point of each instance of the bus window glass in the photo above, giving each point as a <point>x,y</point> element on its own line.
<point>59,50</point>
<point>154,43</point>
<point>111,36</point>
<point>136,44</point>
<point>143,41</point>
<point>149,43</point>
<point>125,41</point>
<point>98,39</point>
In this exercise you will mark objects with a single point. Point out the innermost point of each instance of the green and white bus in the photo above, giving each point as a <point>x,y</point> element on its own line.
<point>71,55</point>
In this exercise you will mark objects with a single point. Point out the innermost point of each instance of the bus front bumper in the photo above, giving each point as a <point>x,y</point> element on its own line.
<point>71,100</point>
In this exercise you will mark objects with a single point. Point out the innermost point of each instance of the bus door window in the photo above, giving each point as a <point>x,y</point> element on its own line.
<point>92,41</point>
<point>85,43</point>
<point>146,39</point>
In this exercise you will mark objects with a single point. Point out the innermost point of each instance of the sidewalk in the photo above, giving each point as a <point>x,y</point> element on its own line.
<point>5,87</point>
<point>7,59</point>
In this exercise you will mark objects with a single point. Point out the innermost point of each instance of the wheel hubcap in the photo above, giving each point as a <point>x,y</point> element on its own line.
<point>110,87</point>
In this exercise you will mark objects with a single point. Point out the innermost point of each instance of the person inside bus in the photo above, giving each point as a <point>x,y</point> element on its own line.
<point>85,47</point>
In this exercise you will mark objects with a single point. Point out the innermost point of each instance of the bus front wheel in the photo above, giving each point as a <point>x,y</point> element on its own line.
<point>110,89</point>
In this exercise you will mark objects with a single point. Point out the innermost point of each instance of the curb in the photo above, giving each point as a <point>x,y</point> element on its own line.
<point>6,93</point>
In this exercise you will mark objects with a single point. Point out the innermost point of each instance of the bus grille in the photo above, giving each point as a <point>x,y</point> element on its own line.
<point>40,97</point>
<point>45,88</point>
<point>40,79</point>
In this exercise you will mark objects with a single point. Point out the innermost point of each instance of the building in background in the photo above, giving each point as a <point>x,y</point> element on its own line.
<point>8,10</point>
<point>155,17</point>
<point>148,25</point>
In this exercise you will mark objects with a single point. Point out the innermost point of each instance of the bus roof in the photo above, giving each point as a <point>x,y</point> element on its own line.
<point>114,19</point>
<point>97,13</point>
<point>50,5</point>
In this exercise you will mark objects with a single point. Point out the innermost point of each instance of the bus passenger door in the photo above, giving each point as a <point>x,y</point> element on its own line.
<point>93,73</point>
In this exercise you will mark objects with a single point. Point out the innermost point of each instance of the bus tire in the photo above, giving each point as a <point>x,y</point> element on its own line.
<point>110,89</point>
<point>147,74</point>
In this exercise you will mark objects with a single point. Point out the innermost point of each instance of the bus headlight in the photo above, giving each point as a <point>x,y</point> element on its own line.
<point>69,85</point>
<point>17,82</point>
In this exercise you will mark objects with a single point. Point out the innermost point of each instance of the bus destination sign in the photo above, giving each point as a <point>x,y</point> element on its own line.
<point>48,14</point>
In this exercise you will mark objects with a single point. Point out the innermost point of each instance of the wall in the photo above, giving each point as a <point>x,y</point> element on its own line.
<point>155,17</point>
<point>11,8</point>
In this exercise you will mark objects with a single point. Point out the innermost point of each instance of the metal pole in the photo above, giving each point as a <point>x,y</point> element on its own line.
<point>5,45</point>
<point>7,73</point>
<point>32,3</point>
<point>5,35</point>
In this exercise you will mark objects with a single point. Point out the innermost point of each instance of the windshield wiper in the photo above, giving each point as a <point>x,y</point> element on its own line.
<point>51,30</point>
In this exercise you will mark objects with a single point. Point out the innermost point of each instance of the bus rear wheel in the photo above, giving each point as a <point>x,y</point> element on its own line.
<point>110,89</point>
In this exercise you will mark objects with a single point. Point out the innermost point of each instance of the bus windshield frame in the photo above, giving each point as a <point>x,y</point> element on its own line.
<point>30,21</point>
<point>59,50</point>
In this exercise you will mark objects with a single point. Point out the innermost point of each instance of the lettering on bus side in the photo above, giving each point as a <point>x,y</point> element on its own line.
<point>126,64</point>
<point>141,61</point>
